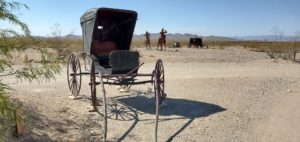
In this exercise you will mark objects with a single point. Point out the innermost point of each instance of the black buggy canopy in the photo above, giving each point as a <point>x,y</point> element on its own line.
<point>107,24</point>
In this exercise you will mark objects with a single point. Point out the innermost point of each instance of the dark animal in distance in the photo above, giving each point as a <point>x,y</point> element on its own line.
<point>196,42</point>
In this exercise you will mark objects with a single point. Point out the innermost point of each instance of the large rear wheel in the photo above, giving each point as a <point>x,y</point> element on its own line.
<point>74,74</point>
<point>93,85</point>
<point>102,109</point>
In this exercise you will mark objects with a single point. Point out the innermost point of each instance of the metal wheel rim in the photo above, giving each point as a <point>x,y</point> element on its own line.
<point>74,81</point>
<point>159,92</point>
<point>160,78</point>
<point>93,86</point>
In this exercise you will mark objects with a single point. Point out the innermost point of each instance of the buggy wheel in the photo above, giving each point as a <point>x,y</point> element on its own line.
<point>96,102</point>
<point>93,86</point>
<point>104,107</point>
<point>159,85</point>
<point>74,74</point>
<point>157,103</point>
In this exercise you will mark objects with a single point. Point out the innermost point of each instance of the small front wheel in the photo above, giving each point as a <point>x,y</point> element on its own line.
<point>159,84</point>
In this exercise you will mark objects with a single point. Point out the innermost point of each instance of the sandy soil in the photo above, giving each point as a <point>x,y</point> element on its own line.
<point>214,95</point>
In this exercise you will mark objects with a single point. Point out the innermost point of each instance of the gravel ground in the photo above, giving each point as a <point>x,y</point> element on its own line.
<point>214,95</point>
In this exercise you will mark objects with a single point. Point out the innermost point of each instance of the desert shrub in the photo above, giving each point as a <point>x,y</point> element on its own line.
<point>275,49</point>
<point>11,41</point>
<point>64,46</point>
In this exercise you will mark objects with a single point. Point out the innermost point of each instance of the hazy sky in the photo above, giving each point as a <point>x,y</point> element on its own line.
<point>202,17</point>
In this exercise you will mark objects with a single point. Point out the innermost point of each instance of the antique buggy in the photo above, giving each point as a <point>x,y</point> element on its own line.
<point>107,35</point>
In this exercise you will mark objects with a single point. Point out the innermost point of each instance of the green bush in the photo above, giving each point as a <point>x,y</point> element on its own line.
<point>10,42</point>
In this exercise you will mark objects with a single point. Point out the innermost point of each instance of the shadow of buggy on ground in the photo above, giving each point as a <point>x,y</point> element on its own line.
<point>128,107</point>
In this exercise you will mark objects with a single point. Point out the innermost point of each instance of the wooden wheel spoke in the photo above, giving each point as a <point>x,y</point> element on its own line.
<point>75,74</point>
<point>78,64</point>
<point>78,85</point>
<point>72,88</point>
<point>161,71</point>
<point>71,80</point>
<point>72,84</point>
<point>73,91</point>
<point>73,62</point>
<point>75,79</point>
<point>75,86</point>
<point>70,69</point>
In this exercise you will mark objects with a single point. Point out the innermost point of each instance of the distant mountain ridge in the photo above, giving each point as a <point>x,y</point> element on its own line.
<point>187,36</point>
<point>173,37</point>
<point>72,36</point>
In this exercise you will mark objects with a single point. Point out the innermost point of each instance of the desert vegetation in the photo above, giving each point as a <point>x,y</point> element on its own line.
<point>275,49</point>
<point>11,41</point>
<point>286,50</point>
<point>67,45</point>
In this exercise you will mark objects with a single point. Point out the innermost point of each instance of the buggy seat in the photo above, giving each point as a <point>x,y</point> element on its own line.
<point>124,61</point>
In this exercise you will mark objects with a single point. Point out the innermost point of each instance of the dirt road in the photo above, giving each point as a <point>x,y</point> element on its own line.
<point>214,95</point>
